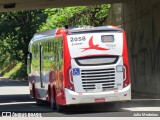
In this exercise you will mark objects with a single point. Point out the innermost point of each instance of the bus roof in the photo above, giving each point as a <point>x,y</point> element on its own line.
<point>51,33</point>
<point>90,29</point>
<point>44,34</point>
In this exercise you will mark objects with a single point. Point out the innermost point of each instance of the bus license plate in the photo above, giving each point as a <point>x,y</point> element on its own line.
<point>100,100</point>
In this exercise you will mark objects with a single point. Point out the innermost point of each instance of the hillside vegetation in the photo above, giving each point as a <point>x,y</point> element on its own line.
<point>17,29</point>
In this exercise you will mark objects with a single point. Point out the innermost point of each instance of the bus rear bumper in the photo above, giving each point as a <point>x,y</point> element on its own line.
<point>110,96</point>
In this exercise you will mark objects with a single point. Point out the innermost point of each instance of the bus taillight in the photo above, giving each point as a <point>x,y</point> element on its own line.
<point>70,84</point>
<point>124,73</point>
<point>126,78</point>
<point>70,76</point>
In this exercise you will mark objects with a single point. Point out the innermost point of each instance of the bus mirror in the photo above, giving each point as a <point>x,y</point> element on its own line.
<point>26,57</point>
<point>29,59</point>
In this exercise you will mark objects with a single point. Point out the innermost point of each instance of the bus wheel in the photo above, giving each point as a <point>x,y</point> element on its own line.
<point>53,102</point>
<point>38,102</point>
<point>60,108</point>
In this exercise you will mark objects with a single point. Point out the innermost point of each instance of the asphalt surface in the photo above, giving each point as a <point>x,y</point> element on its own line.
<point>14,97</point>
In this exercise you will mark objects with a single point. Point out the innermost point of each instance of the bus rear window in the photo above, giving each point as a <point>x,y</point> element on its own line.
<point>97,60</point>
<point>107,38</point>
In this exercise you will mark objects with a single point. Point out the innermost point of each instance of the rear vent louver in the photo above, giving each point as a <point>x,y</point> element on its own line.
<point>104,76</point>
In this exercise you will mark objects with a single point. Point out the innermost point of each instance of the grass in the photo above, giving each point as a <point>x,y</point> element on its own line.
<point>18,71</point>
<point>7,68</point>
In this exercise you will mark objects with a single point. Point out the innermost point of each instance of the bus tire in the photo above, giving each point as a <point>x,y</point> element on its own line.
<point>33,92</point>
<point>53,102</point>
<point>60,108</point>
<point>38,102</point>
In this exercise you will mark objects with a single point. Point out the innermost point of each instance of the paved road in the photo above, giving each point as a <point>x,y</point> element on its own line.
<point>14,96</point>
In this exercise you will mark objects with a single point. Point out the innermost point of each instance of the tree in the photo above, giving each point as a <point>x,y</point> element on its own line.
<point>17,28</point>
<point>16,31</point>
<point>76,16</point>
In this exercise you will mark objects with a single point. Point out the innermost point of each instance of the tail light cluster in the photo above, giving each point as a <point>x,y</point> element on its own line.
<point>126,68</point>
<point>70,84</point>
<point>126,73</point>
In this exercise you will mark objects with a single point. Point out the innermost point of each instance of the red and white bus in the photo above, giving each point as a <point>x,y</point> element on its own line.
<point>79,66</point>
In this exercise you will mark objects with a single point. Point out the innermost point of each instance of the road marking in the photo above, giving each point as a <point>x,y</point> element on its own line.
<point>142,109</point>
<point>15,103</point>
<point>145,99</point>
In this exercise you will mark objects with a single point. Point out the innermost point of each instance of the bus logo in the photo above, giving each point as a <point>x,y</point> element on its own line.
<point>76,71</point>
<point>92,46</point>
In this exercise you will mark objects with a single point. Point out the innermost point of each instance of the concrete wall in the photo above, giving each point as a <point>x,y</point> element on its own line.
<point>141,21</point>
<point>115,16</point>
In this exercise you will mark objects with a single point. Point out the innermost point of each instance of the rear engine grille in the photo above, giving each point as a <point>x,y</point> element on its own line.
<point>104,76</point>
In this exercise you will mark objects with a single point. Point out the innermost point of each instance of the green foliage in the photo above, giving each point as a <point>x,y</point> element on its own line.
<point>76,16</point>
<point>17,28</point>
<point>16,31</point>
<point>7,67</point>
<point>19,70</point>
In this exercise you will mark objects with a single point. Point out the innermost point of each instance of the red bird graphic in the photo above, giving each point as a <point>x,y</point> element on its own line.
<point>92,46</point>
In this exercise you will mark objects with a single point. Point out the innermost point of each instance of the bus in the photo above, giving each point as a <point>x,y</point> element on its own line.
<point>81,65</point>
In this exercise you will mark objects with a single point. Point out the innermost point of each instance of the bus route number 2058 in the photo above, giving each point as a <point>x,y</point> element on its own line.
<point>76,39</point>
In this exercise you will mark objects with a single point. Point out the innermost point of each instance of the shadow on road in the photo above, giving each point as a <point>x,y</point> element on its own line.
<point>6,82</point>
<point>20,100</point>
<point>23,103</point>
<point>15,98</point>
<point>92,108</point>
<point>112,107</point>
